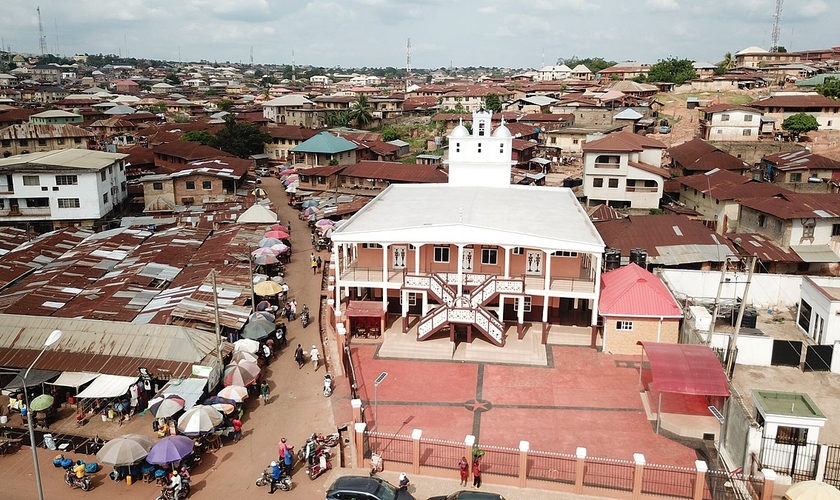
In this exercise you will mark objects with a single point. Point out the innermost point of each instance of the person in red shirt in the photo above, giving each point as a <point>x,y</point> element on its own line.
<point>476,474</point>
<point>237,429</point>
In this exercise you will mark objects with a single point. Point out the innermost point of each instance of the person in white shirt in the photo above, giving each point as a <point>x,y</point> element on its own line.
<point>315,356</point>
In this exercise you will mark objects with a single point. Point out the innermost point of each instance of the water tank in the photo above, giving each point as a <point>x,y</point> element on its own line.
<point>612,259</point>
<point>638,256</point>
<point>750,318</point>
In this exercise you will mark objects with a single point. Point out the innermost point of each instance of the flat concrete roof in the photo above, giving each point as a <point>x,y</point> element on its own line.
<point>792,404</point>
<point>66,158</point>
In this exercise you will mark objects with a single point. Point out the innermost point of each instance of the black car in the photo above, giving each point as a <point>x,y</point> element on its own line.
<point>365,488</point>
<point>470,495</point>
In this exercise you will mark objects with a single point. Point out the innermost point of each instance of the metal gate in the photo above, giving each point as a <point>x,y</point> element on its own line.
<point>832,465</point>
<point>818,358</point>
<point>786,353</point>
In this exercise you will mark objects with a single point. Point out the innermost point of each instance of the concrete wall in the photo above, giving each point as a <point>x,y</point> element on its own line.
<point>752,152</point>
<point>754,350</point>
<point>645,329</point>
<point>776,290</point>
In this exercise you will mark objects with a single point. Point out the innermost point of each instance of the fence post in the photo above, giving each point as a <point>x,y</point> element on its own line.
<point>356,404</point>
<point>580,468</point>
<point>469,442</point>
<point>769,483</point>
<point>415,455</point>
<point>638,474</point>
<point>822,459</point>
<point>360,442</point>
<point>524,446</point>
<point>700,480</point>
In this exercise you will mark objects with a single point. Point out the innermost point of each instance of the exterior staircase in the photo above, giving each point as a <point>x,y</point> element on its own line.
<point>491,287</point>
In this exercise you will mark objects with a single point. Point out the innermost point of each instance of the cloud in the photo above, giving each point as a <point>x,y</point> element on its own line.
<point>662,5</point>
<point>813,8</point>
<point>489,9</point>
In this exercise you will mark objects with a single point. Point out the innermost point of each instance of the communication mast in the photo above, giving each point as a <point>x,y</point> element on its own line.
<point>42,39</point>
<point>408,64</point>
<point>777,17</point>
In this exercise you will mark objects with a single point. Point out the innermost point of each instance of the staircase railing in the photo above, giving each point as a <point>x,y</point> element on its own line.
<point>434,284</point>
<point>492,286</point>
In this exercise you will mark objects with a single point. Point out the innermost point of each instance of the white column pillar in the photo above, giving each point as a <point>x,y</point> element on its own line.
<point>461,269</point>
<point>596,265</point>
<point>548,259</point>
<point>545,308</point>
<point>404,301</point>
<point>385,247</point>
<point>520,309</point>
<point>507,262</point>
<point>417,258</point>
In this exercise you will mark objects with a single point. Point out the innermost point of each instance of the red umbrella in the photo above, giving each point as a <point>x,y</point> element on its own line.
<point>280,235</point>
<point>277,227</point>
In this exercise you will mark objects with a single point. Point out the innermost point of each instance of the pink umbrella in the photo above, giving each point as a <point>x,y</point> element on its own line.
<point>264,256</point>
<point>325,223</point>
<point>310,211</point>
<point>279,248</point>
<point>287,171</point>
<point>280,235</point>
<point>277,227</point>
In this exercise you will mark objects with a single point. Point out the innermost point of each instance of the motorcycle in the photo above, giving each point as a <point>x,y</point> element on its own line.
<point>322,442</point>
<point>169,494</point>
<point>304,318</point>
<point>75,482</point>
<point>327,385</point>
<point>322,464</point>
<point>285,482</point>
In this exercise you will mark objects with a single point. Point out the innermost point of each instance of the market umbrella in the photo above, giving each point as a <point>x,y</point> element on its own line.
<point>326,232</point>
<point>262,315</point>
<point>266,288</point>
<point>246,345</point>
<point>279,248</point>
<point>277,234</point>
<point>259,192</point>
<point>310,211</point>
<point>225,408</point>
<point>242,373</point>
<point>41,403</point>
<point>263,305</point>
<point>257,330</point>
<point>215,400</point>
<point>170,449</point>
<point>812,490</point>
<point>264,256</point>
<point>168,406</point>
<point>277,227</point>
<point>291,179</point>
<point>287,171</point>
<point>199,419</point>
<point>237,393</point>
<point>309,203</point>
<point>144,440</point>
<point>267,242</point>
<point>122,450</point>
<point>242,355</point>
<point>325,223</point>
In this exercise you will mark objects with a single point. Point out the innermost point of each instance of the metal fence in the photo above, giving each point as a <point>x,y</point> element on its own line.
<point>609,474</point>
<point>441,454</point>
<point>547,466</point>
<point>832,465</point>
<point>500,460</point>
<point>391,447</point>
<point>669,481</point>
<point>795,459</point>
<point>723,485</point>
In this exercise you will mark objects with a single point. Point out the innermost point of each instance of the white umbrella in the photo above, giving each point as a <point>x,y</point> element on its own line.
<point>246,345</point>
<point>199,419</point>
<point>812,490</point>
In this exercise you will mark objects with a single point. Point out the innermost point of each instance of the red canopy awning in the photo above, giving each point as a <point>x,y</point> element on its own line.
<point>686,369</point>
<point>364,309</point>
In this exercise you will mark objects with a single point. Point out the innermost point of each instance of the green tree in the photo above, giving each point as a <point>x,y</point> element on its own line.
<point>830,88</point>
<point>241,139</point>
<point>172,78</point>
<point>800,123</point>
<point>672,70</point>
<point>725,65</point>
<point>360,112</point>
<point>337,118</point>
<point>389,134</point>
<point>594,64</point>
<point>493,102</point>
<point>202,136</point>
<point>225,105</point>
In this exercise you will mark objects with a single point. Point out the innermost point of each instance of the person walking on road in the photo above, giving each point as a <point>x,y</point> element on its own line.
<point>299,356</point>
<point>314,355</point>
<point>287,461</point>
<point>281,449</point>
<point>476,474</point>
<point>237,429</point>
<point>264,390</point>
<point>320,262</point>
<point>314,265</point>
<point>463,467</point>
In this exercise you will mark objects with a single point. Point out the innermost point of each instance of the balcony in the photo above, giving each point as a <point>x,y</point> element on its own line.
<point>26,212</point>
<point>641,189</point>
<point>610,166</point>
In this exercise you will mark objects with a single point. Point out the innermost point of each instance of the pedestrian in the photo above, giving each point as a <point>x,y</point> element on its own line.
<point>314,266</point>
<point>463,467</point>
<point>264,390</point>
<point>282,335</point>
<point>312,257</point>
<point>299,356</point>
<point>314,355</point>
<point>476,474</point>
<point>293,308</point>
<point>404,481</point>
<point>281,449</point>
<point>237,429</point>
<point>287,460</point>
<point>320,262</point>
<point>266,353</point>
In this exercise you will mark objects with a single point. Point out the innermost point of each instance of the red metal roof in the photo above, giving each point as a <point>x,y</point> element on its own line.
<point>686,369</point>
<point>364,309</point>
<point>727,185</point>
<point>395,171</point>
<point>763,248</point>
<point>788,206</point>
<point>699,155</point>
<point>634,292</point>
<point>801,160</point>
<point>623,142</point>
<point>816,101</point>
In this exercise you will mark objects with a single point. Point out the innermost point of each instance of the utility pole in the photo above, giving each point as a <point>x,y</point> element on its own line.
<point>730,355</point>
<point>717,300</point>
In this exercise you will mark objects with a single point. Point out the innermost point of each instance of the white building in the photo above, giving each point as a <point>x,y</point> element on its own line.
<point>730,122</point>
<point>818,311</point>
<point>623,169</point>
<point>60,188</point>
<point>287,109</point>
<point>472,254</point>
<point>549,73</point>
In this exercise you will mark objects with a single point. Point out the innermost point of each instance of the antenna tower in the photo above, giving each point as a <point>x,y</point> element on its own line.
<point>293,65</point>
<point>777,17</point>
<point>408,64</point>
<point>252,55</point>
<point>42,39</point>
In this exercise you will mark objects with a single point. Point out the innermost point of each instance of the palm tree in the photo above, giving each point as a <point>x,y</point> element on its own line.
<point>360,112</point>
<point>728,61</point>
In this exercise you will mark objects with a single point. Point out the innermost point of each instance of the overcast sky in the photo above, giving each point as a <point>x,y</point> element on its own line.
<point>356,33</point>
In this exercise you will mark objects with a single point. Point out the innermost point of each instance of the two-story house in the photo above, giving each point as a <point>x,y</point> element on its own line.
<point>61,188</point>
<point>796,167</point>
<point>697,156</point>
<point>284,138</point>
<point>780,107</point>
<point>807,224</point>
<point>323,149</point>
<point>467,263</point>
<point>715,194</point>
<point>293,109</point>
<point>175,155</point>
<point>30,138</point>
<point>56,117</point>
<point>548,73</point>
<point>624,169</point>
<point>198,182</point>
<point>729,122</point>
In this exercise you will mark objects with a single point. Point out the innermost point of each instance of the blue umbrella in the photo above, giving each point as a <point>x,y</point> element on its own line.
<point>267,242</point>
<point>170,449</point>
<point>309,203</point>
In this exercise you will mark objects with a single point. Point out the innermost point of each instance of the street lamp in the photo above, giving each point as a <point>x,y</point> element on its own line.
<point>51,339</point>
<point>376,383</point>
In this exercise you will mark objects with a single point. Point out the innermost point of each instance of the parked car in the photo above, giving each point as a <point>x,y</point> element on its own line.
<point>262,172</point>
<point>470,495</point>
<point>365,488</point>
